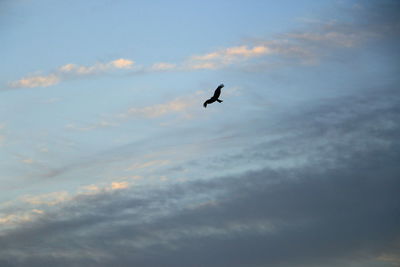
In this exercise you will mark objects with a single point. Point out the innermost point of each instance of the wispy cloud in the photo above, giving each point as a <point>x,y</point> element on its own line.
<point>70,71</point>
<point>226,56</point>
<point>16,218</point>
<point>96,68</point>
<point>295,212</point>
<point>36,81</point>
<point>119,185</point>
<point>98,125</point>
<point>332,37</point>
<point>185,106</point>
<point>162,66</point>
<point>158,110</point>
<point>304,46</point>
<point>178,105</point>
<point>28,161</point>
<point>35,206</point>
<point>49,199</point>
<point>148,164</point>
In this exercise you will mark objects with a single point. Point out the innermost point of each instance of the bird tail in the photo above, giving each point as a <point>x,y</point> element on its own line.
<point>205,104</point>
<point>220,101</point>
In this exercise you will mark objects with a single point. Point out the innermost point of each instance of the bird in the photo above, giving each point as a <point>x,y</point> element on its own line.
<point>215,97</point>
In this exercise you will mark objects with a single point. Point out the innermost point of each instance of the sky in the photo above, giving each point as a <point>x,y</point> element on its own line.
<point>108,158</point>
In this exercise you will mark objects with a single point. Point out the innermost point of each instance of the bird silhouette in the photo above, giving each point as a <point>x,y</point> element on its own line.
<point>215,97</point>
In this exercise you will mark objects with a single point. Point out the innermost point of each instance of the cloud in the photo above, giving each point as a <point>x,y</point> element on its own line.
<point>49,199</point>
<point>234,53</point>
<point>97,68</point>
<point>119,185</point>
<point>122,63</point>
<point>239,55</point>
<point>331,37</point>
<point>28,161</point>
<point>302,47</point>
<point>162,66</point>
<point>70,71</point>
<point>181,105</point>
<point>147,164</point>
<point>14,218</point>
<point>98,125</point>
<point>318,40</point>
<point>36,81</point>
<point>29,207</point>
<point>181,108</point>
<point>337,208</point>
<point>393,259</point>
<point>178,105</point>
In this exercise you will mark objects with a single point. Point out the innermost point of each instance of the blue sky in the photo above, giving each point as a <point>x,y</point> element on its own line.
<point>103,135</point>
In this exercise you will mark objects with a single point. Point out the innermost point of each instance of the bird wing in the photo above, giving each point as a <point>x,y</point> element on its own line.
<point>217,92</point>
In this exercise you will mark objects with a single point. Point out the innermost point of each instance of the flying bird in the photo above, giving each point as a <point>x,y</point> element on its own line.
<point>215,97</point>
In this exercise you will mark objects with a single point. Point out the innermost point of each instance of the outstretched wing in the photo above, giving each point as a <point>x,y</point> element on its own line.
<point>217,92</point>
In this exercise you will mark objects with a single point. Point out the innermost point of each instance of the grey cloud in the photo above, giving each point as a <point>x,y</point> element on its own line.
<point>338,208</point>
<point>341,40</point>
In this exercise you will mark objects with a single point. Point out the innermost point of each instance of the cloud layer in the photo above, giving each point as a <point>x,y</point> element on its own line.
<point>70,71</point>
<point>301,46</point>
<point>336,207</point>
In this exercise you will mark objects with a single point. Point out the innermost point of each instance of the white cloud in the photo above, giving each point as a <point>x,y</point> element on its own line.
<point>36,81</point>
<point>122,63</point>
<point>232,53</point>
<point>38,211</point>
<point>119,185</point>
<point>96,189</point>
<point>96,68</point>
<point>226,56</point>
<point>174,106</point>
<point>69,71</point>
<point>203,65</point>
<point>304,46</point>
<point>301,45</point>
